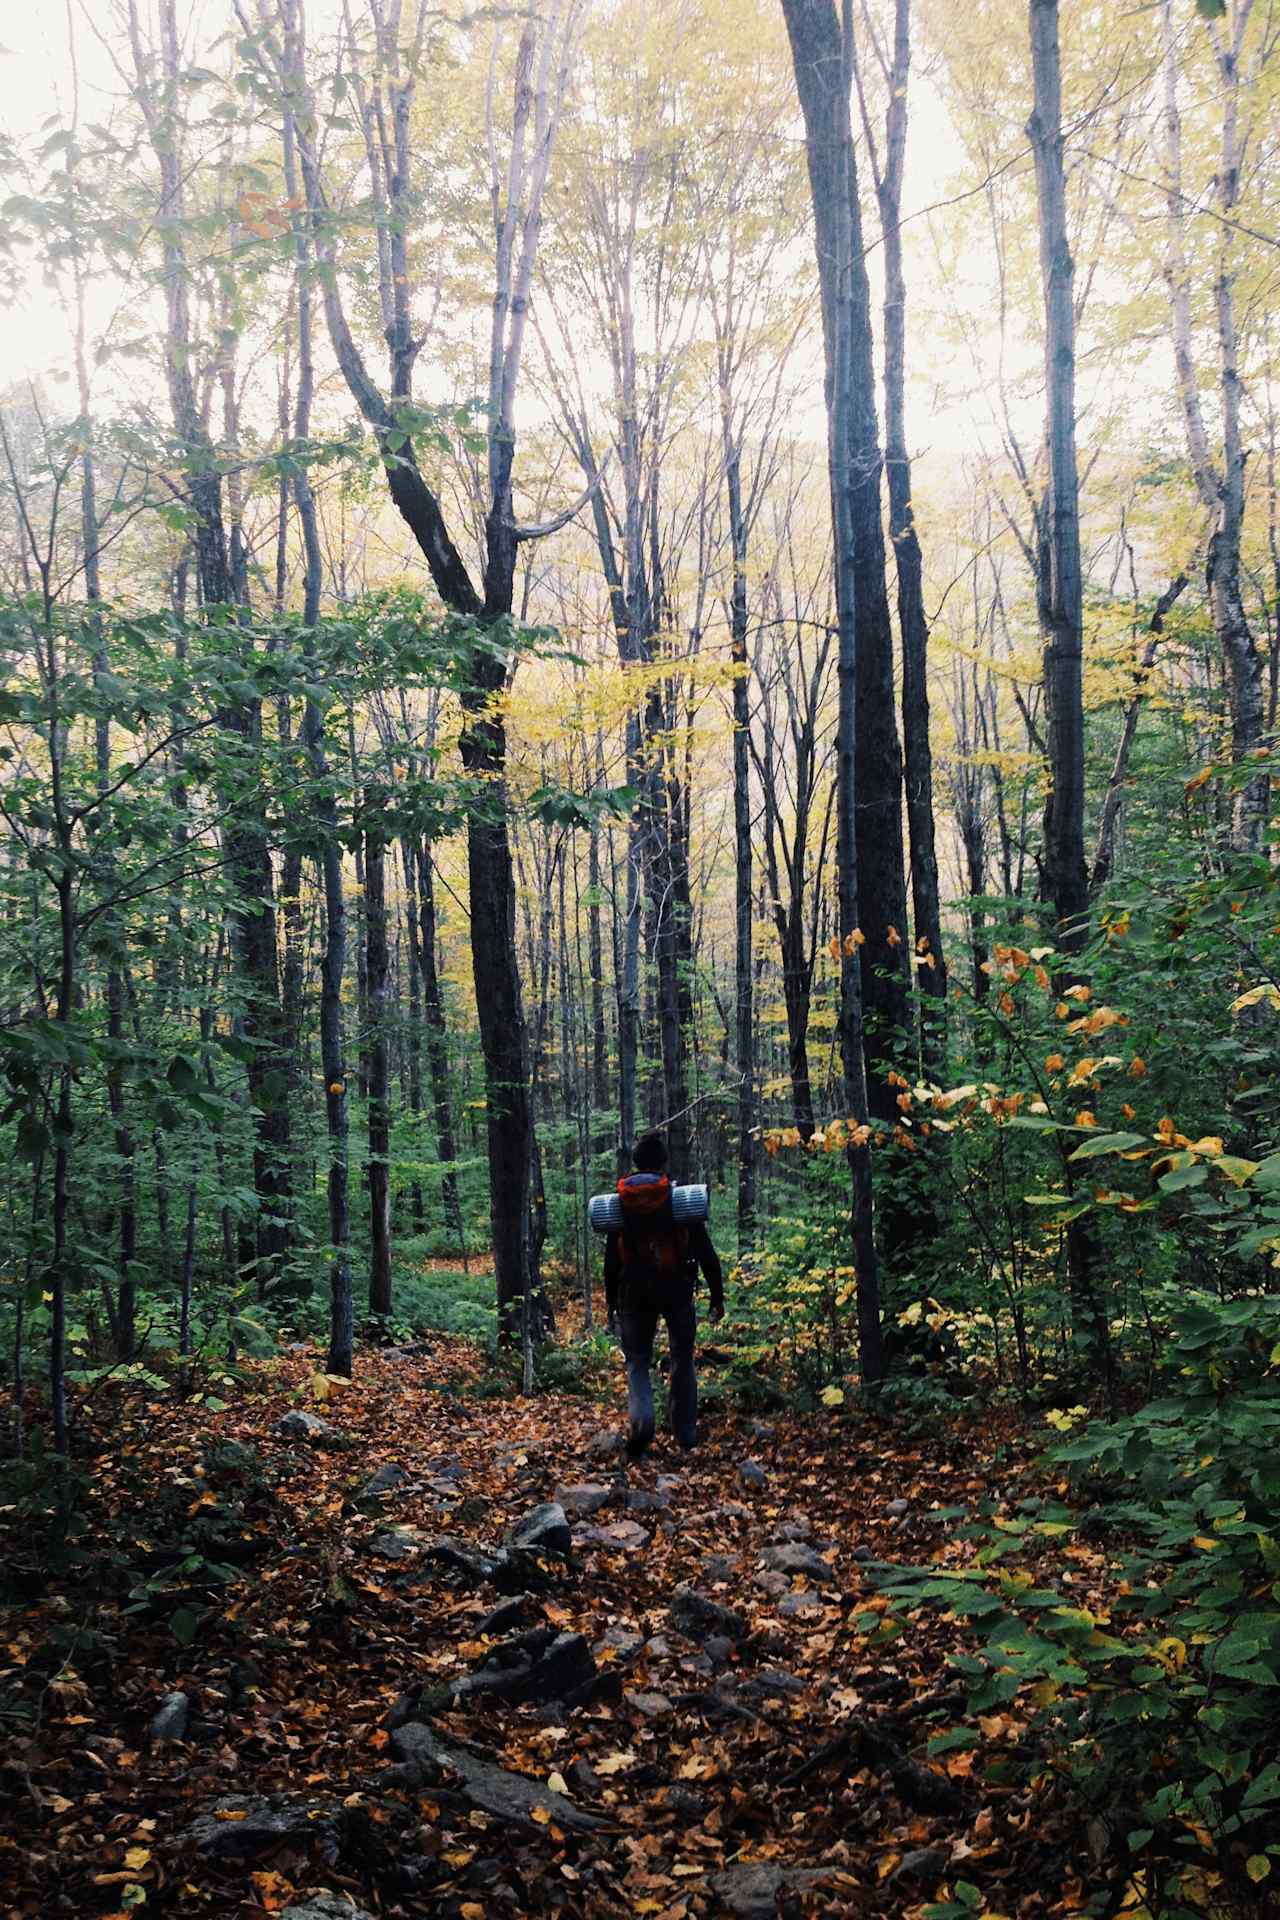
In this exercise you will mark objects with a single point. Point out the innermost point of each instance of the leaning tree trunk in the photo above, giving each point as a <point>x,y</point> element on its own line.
<point>517,203</point>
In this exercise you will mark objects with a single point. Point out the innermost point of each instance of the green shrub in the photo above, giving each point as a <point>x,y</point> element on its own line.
<point>1165,1712</point>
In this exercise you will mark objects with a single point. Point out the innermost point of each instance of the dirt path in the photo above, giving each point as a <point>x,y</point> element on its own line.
<point>707,1706</point>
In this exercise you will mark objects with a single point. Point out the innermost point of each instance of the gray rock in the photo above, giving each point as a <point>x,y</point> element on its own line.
<point>925,1866</point>
<point>793,1556</point>
<point>580,1502</point>
<point>242,1825</point>
<point>627,1536</point>
<point>718,1648</point>
<point>170,1720</point>
<point>773,1683</point>
<point>761,1430</point>
<point>538,1666</point>
<point>301,1425</point>
<point>508,1796</point>
<point>696,1616</point>
<point>720,1566</point>
<point>640,1500</point>
<point>396,1544</point>
<point>773,1584</point>
<point>751,1889</point>
<point>795,1605</point>
<point>606,1446</point>
<point>544,1529</point>
<point>733,1510</point>
<point>791,1530</point>
<point>472,1562</point>
<point>507,1617</point>
<point>387,1479</point>
<point>620,1641</point>
<point>668,1483</point>
<point>752,1474</point>
<point>325,1906</point>
<point>896,1507</point>
<point>446,1489</point>
<point>231,1460</point>
<point>651,1705</point>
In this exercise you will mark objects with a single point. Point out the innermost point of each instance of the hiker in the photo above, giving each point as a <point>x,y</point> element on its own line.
<point>650,1272</point>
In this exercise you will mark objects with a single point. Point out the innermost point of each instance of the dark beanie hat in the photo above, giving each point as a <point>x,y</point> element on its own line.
<point>650,1154</point>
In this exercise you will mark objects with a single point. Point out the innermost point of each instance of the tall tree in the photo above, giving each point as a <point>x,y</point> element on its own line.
<point>821,47</point>
<point>1061,584</point>
<point>1220,481</point>
<point>385,84</point>
<point>158,90</point>
<point>888,168</point>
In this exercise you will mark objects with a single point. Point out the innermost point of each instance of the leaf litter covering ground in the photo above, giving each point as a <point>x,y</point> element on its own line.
<point>772,1762</point>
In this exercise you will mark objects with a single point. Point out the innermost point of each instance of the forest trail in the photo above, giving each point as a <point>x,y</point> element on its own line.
<point>705,1709</point>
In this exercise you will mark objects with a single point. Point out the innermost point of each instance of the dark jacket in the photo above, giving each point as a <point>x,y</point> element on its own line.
<point>699,1253</point>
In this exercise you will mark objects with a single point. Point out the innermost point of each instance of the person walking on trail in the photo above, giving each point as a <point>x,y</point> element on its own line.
<point>650,1272</point>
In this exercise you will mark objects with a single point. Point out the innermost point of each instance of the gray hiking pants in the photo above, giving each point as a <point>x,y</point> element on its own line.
<point>638,1327</point>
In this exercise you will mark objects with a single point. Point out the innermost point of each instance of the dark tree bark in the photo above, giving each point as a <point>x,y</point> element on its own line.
<point>438,1050</point>
<point>1061,583</point>
<point>821,53</point>
<point>333,1064</point>
<point>913,626</point>
<point>246,847</point>
<point>379,1165</point>
<point>541,71</point>
<point>1104,855</point>
<point>413,1035</point>
<point>1062,602</point>
<point>595,950</point>
<point>790,832</point>
<point>743,876</point>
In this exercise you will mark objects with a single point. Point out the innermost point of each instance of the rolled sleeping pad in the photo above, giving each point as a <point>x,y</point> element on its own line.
<point>687,1203</point>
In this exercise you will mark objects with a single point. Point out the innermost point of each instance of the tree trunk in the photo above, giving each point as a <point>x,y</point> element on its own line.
<point>926,903</point>
<point>379,1167</point>
<point>821,53</point>
<point>1061,590</point>
<point>438,1052</point>
<point>743,879</point>
<point>413,1038</point>
<point>1104,856</point>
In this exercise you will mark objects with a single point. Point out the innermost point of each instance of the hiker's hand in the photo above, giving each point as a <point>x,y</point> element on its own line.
<point>717,1312</point>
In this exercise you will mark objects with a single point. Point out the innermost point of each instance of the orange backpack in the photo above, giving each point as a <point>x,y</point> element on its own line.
<point>653,1251</point>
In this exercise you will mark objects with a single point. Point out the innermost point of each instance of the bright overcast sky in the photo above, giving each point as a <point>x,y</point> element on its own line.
<point>36,83</point>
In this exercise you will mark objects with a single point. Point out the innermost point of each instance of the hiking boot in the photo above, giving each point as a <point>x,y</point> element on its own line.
<point>639,1438</point>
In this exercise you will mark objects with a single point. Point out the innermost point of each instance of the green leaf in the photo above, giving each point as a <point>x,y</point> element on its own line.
<point>1107,1143</point>
<point>953,1738</point>
<point>1211,9</point>
<point>184,1625</point>
<point>1183,1177</point>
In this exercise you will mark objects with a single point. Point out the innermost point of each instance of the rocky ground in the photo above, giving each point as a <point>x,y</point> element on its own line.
<point>448,1654</point>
